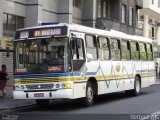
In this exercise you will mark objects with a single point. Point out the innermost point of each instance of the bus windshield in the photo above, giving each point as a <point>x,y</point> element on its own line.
<point>42,55</point>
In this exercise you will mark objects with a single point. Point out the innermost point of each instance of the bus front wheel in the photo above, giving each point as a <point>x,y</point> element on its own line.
<point>88,100</point>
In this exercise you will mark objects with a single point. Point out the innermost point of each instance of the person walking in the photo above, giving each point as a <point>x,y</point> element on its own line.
<point>3,79</point>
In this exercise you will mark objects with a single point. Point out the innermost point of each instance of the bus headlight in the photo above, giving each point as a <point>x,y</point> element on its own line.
<point>68,85</point>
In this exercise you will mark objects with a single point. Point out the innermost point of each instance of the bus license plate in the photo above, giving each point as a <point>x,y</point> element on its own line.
<point>39,95</point>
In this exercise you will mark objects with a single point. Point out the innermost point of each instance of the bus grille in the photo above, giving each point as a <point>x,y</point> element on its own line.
<point>40,86</point>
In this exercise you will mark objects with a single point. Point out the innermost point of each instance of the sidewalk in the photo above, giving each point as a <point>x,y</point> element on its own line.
<point>157,82</point>
<point>8,102</point>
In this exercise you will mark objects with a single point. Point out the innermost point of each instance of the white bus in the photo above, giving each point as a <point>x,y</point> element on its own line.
<point>64,61</point>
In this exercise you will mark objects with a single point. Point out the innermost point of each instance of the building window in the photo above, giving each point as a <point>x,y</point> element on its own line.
<point>77,3</point>
<point>130,16</point>
<point>102,8</point>
<point>159,3</point>
<point>105,9</point>
<point>19,22</point>
<point>99,8</point>
<point>12,22</point>
<point>4,21</point>
<point>151,32</point>
<point>123,14</point>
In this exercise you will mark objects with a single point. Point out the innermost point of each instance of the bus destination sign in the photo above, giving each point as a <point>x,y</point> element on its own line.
<point>24,34</point>
<point>41,32</point>
<point>47,32</point>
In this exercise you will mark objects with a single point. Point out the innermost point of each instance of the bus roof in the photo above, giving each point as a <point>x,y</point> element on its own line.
<point>43,26</point>
<point>111,33</point>
<point>89,30</point>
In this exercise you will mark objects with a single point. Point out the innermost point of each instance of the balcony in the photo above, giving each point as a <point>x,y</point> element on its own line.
<point>151,8</point>
<point>116,25</point>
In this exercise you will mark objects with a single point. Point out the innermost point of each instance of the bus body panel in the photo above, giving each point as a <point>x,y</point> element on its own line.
<point>128,75</point>
<point>59,94</point>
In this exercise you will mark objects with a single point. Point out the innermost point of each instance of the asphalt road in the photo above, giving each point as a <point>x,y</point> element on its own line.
<point>115,106</point>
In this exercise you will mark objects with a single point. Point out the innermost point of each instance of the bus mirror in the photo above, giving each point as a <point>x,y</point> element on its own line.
<point>78,42</point>
<point>75,42</point>
<point>72,43</point>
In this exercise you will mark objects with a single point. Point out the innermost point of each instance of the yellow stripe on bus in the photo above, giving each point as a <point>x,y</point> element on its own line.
<point>64,79</point>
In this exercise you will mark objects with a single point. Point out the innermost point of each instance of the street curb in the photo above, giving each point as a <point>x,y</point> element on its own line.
<point>156,84</point>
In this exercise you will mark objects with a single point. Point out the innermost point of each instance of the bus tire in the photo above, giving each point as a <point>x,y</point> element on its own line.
<point>137,87</point>
<point>88,100</point>
<point>42,103</point>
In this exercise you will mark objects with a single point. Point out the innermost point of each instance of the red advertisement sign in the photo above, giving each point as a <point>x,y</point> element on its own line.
<point>54,68</point>
<point>23,70</point>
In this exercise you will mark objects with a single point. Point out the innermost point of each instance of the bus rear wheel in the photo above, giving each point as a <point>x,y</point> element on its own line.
<point>88,100</point>
<point>42,103</point>
<point>137,88</point>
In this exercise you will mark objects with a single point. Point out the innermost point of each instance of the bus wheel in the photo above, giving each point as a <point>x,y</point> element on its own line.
<point>88,100</point>
<point>137,87</point>
<point>42,103</point>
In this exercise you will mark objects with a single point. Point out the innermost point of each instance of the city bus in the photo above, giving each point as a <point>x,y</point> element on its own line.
<point>70,61</point>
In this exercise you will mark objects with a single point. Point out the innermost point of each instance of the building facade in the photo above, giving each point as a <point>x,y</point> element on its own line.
<point>135,17</point>
<point>149,16</point>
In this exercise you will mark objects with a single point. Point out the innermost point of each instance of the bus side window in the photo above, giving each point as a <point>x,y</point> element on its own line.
<point>77,49</point>
<point>103,45</point>
<point>78,54</point>
<point>115,49</point>
<point>91,47</point>
<point>80,50</point>
<point>134,50</point>
<point>149,52</point>
<point>143,52</point>
<point>125,48</point>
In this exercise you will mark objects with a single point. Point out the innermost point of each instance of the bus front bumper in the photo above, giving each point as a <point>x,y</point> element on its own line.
<point>58,94</point>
